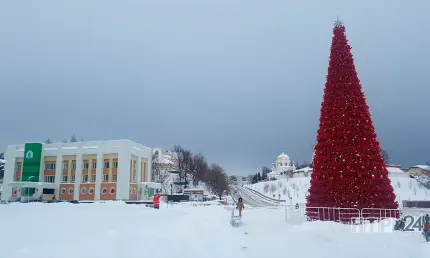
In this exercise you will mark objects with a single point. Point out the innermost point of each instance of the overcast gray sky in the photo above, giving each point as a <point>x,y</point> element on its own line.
<point>236,80</point>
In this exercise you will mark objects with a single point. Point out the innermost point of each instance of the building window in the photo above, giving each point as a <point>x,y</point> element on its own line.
<point>70,190</point>
<point>134,165</point>
<point>115,164</point>
<point>114,177</point>
<point>93,178</point>
<point>64,179</point>
<point>84,178</point>
<point>83,190</point>
<point>18,167</point>
<point>105,178</point>
<point>104,190</point>
<point>73,179</point>
<point>66,166</point>
<point>107,164</point>
<point>63,190</point>
<point>49,166</point>
<point>73,166</point>
<point>85,165</point>
<point>49,179</point>
<point>94,165</point>
<point>112,190</point>
<point>91,190</point>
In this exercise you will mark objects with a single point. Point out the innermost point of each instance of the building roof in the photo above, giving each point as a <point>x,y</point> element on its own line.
<point>424,167</point>
<point>394,169</point>
<point>306,169</point>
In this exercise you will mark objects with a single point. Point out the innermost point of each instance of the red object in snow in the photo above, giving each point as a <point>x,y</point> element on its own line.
<point>156,201</point>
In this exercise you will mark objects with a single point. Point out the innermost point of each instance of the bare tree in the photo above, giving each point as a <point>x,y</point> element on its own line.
<point>266,187</point>
<point>272,188</point>
<point>73,138</point>
<point>64,141</point>
<point>184,163</point>
<point>428,163</point>
<point>1,165</point>
<point>159,173</point>
<point>199,168</point>
<point>217,180</point>
<point>384,155</point>
<point>303,165</point>
<point>48,141</point>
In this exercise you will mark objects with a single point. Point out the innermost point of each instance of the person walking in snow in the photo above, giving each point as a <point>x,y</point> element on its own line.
<point>240,206</point>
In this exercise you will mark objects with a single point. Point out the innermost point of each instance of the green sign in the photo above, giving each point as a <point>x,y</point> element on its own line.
<point>31,166</point>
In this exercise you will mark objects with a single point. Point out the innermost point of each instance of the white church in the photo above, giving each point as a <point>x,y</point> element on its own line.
<point>281,167</point>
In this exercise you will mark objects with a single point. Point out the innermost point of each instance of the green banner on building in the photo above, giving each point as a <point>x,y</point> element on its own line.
<point>32,158</point>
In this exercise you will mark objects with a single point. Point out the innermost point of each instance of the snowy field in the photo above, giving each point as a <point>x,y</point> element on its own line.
<point>117,230</point>
<point>405,188</point>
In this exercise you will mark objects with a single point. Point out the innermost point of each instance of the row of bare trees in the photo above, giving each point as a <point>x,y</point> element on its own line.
<point>72,139</point>
<point>191,168</point>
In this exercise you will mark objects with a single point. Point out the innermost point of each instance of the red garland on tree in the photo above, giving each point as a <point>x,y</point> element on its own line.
<point>348,170</point>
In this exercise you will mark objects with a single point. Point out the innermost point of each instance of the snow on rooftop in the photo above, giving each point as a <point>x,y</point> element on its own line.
<point>425,167</point>
<point>162,160</point>
<point>306,169</point>
<point>2,161</point>
<point>394,170</point>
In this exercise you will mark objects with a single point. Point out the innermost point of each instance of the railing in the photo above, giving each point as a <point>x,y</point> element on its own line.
<point>332,214</point>
<point>348,215</point>
<point>372,213</point>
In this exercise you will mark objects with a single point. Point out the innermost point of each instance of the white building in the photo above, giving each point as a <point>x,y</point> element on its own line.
<point>281,166</point>
<point>88,170</point>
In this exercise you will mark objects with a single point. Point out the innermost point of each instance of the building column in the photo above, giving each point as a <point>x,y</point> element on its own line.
<point>123,179</point>
<point>41,168</point>
<point>78,177</point>
<point>138,169</point>
<point>99,176</point>
<point>58,173</point>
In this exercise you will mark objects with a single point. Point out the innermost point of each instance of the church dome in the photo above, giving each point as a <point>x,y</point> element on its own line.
<point>283,156</point>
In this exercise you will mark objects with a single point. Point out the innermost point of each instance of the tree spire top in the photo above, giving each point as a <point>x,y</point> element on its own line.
<point>338,22</point>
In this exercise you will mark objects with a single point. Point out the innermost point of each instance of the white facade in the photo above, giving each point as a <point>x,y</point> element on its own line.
<point>281,166</point>
<point>124,149</point>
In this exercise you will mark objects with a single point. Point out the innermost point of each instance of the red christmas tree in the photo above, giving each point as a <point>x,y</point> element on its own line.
<point>348,170</point>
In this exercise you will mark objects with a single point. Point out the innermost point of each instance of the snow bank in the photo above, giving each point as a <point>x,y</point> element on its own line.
<point>112,230</point>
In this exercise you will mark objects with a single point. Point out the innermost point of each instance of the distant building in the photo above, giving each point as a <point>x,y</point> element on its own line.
<point>194,194</point>
<point>238,180</point>
<point>419,170</point>
<point>281,166</point>
<point>86,170</point>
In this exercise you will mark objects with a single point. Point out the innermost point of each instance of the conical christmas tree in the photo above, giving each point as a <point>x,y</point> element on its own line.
<point>348,170</point>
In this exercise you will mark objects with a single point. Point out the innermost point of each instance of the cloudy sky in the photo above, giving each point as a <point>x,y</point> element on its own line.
<point>238,80</point>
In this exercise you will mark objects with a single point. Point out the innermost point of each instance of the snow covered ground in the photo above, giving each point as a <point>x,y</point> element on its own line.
<point>117,230</point>
<point>297,188</point>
